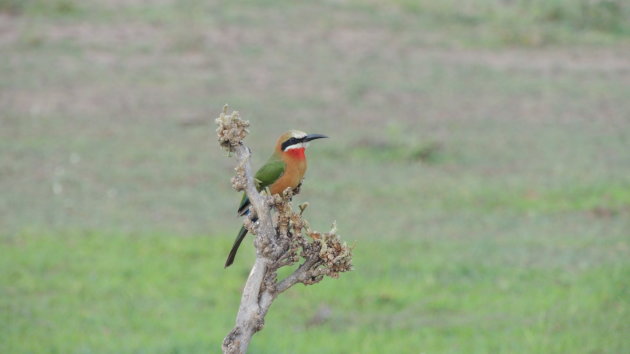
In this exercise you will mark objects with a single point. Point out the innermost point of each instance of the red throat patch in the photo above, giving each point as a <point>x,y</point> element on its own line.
<point>297,153</point>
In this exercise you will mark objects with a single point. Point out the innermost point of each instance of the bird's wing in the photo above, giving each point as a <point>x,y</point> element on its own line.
<point>269,173</point>
<point>265,176</point>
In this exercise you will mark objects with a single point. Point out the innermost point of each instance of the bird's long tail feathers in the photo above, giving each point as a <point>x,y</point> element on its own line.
<point>237,243</point>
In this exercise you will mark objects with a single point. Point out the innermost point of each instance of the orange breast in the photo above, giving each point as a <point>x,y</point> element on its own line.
<point>293,172</point>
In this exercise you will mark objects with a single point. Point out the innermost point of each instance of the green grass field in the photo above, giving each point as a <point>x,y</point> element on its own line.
<point>478,161</point>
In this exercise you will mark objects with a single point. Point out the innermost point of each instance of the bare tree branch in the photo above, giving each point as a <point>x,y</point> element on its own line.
<point>279,242</point>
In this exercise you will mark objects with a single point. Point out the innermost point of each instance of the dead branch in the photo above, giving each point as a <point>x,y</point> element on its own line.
<point>279,241</point>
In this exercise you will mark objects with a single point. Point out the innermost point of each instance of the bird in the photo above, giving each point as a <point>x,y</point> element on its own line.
<point>284,169</point>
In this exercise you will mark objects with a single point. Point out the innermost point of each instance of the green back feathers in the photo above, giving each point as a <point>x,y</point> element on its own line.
<point>266,176</point>
<point>269,173</point>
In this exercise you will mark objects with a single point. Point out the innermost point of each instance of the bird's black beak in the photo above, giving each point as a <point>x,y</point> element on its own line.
<point>313,137</point>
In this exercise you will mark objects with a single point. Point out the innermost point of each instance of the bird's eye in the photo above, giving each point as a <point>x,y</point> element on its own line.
<point>288,143</point>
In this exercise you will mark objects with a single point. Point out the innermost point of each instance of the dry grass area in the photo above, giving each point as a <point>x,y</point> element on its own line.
<point>128,91</point>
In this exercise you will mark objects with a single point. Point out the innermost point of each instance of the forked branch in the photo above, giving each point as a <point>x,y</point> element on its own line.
<point>282,238</point>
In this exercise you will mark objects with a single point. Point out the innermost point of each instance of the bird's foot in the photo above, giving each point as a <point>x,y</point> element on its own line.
<point>303,207</point>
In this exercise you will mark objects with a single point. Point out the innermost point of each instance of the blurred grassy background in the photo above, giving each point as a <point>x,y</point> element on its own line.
<point>478,160</point>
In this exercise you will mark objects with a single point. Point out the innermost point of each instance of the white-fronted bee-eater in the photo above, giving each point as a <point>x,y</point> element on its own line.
<point>284,169</point>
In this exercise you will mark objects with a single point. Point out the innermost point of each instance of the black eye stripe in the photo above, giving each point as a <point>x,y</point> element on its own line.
<point>290,142</point>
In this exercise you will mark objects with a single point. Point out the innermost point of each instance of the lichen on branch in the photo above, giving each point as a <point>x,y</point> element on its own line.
<point>327,254</point>
<point>231,129</point>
